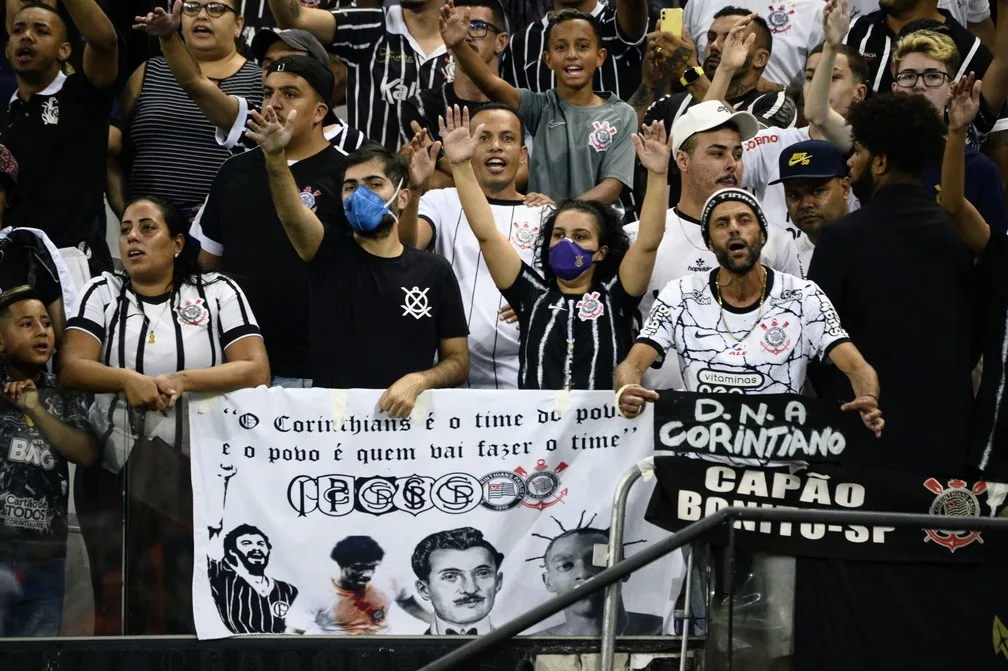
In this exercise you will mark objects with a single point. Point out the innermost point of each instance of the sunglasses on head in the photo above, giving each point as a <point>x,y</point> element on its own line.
<point>213,9</point>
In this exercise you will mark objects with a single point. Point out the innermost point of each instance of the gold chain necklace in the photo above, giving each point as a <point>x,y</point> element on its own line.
<point>717,283</point>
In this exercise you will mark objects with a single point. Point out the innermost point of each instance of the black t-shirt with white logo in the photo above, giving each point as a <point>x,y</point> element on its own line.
<point>375,319</point>
<point>239,223</point>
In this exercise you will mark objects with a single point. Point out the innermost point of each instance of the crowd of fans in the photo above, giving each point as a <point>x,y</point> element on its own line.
<point>485,194</point>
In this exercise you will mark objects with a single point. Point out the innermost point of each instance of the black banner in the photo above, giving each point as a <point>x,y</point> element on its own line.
<point>689,489</point>
<point>765,427</point>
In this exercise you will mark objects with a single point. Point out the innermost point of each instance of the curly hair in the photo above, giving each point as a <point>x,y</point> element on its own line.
<point>609,227</point>
<point>463,538</point>
<point>355,550</point>
<point>903,127</point>
<point>231,539</point>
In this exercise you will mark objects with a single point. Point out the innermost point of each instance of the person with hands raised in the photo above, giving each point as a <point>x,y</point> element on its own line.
<point>575,316</point>
<point>41,430</point>
<point>581,138</point>
<point>668,57</point>
<point>381,310</point>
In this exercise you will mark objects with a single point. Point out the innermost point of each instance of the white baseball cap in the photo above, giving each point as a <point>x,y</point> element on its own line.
<point>707,115</point>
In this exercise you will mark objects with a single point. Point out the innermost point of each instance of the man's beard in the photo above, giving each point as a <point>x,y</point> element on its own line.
<point>738,266</point>
<point>863,186</point>
<point>381,231</point>
<point>254,569</point>
<point>896,7</point>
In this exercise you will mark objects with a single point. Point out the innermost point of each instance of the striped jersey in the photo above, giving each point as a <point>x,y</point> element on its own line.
<point>385,66</point>
<point>522,66</point>
<point>175,156</point>
<point>493,344</point>
<point>242,609</point>
<point>570,341</point>
<point>185,329</point>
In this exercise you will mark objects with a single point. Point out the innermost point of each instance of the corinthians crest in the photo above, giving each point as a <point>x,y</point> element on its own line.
<point>775,338</point>
<point>192,312</point>
<point>956,500</point>
<point>543,485</point>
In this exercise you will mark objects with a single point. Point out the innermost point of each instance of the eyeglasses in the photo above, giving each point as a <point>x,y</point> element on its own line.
<point>478,29</point>
<point>213,9</point>
<point>907,79</point>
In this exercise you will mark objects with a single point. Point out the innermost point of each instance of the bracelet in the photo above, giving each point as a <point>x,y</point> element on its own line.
<point>618,395</point>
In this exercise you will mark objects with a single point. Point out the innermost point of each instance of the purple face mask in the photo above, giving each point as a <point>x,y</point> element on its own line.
<point>568,260</point>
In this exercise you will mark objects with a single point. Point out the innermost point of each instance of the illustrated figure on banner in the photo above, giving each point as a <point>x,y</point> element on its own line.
<point>355,606</point>
<point>569,560</point>
<point>458,571</point>
<point>249,601</point>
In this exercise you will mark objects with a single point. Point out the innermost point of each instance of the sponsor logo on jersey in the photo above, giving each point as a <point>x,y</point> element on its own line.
<point>761,140</point>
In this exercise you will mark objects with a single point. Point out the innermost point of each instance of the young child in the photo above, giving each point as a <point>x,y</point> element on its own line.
<point>40,431</point>
<point>581,145</point>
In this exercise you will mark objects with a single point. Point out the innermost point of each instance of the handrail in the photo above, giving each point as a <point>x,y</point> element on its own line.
<point>693,532</point>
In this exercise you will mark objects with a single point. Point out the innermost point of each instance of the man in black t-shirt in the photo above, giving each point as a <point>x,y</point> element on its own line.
<point>57,125</point>
<point>380,311</point>
<point>488,37</point>
<point>239,229</point>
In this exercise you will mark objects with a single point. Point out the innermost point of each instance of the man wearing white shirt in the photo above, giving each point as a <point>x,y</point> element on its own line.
<point>816,188</point>
<point>796,26</point>
<point>761,154</point>
<point>707,142</point>
<point>441,227</point>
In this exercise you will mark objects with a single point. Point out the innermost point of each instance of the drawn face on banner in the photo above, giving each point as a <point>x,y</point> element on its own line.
<point>356,576</point>
<point>462,585</point>
<point>569,562</point>
<point>253,552</point>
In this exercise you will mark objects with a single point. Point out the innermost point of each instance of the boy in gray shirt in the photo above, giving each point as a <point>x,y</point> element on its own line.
<point>581,146</point>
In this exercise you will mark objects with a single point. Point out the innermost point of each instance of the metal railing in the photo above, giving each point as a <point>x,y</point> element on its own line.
<point>614,574</point>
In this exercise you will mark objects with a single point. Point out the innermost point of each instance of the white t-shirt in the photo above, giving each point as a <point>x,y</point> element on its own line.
<point>963,11</point>
<point>796,26</point>
<point>761,165</point>
<point>493,344</point>
<point>681,252</point>
<point>796,324</point>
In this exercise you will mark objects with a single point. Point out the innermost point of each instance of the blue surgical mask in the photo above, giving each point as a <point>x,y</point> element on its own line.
<point>568,259</point>
<point>365,209</point>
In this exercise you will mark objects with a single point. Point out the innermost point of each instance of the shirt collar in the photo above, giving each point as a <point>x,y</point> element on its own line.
<point>439,626</point>
<point>54,87</point>
<point>599,6</point>
<point>395,24</point>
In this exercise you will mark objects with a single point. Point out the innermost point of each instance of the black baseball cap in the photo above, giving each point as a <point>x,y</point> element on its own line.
<point>318,76</point>
<point>300,40</point>
<point>811,159</point>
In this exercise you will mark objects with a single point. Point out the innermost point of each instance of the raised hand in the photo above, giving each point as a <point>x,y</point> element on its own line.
<point>836,21</point>
<point>459,144</point>
<point>267,131</point>
<point>654,146</point>
<point>667,56</point>
<point>454,24</point>
<point>421,157</point>
<point>964,103</point>
<point>737,45</point>
<point>160,23</point>
<point>22,394</point>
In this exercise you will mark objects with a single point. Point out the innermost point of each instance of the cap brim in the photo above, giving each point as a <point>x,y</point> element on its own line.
<point>747,124</point>
<point>791,177</point>
<point>261,43</point>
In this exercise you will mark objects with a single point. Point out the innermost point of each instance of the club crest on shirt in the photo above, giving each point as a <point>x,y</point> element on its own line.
<point>279,608</point>
<point>601,138</point>
<point>779,18</point>
<point>416,304</point>
<point>524,235</point>
<point>308,196</point>
<point>956,500</point>
<point>775,339</point>
<point>50,111</point>
<point>590,307</point>
<point>192,312</point>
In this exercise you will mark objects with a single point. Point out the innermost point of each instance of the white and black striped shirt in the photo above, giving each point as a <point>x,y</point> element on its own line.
<point>385,65</point>
<point>522,66</point>
<point>872,38</point>
<point>242,609</point>
<point>567,341</point>
<point>175,156</point>
<point>181,330</point>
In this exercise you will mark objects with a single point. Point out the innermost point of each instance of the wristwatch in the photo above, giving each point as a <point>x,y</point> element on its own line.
<point>691,75</point>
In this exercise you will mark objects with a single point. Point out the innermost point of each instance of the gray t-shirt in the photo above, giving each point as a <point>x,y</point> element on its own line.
<point>575,148</point>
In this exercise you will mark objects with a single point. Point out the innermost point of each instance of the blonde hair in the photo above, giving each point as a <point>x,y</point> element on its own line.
<point>930,43</point>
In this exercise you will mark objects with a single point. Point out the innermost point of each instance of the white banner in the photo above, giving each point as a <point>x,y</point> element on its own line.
<point>316,514</point>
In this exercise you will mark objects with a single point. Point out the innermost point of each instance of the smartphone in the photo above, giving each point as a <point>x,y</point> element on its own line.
<point>671,21</point>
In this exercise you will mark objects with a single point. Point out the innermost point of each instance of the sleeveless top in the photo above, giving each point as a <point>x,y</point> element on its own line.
<point>175,154</point>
